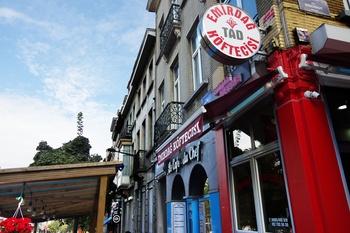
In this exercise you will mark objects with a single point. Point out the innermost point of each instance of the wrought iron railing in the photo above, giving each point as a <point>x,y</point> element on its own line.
<point>172,22</point>
<point>169,120</point>
<point>126,132</point>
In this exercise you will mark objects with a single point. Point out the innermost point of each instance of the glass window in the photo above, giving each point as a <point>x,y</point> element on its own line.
<point>244,197</point>
<point>248,5</point>
<point>259,192</point>
<point>252,132</point>
<point>273,193</point>
<point>161,97</point>
<point>196,60</point>
<point>176,73</point>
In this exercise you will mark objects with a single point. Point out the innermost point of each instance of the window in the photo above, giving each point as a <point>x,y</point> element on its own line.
<point>150,129</point>
<point>143,143</point>
<point>248,5</point>
<point>259,192</point>
<point>346,4</point>
<point>196,60</point>
<point>161,97</point>
<point>176,74</point>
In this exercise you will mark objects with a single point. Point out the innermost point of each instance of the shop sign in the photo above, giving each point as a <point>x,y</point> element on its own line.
<point>279,222</point>
<point>228,84</point>
<point>116,218</point>
<point>193,153</point>
<point>191,133</point>
<point>268,17</point>
<point>229,34</point>
<point>315,6</point>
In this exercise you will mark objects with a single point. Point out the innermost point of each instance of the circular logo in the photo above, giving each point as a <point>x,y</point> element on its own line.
<point>116,219</point>
<point>229,34</point>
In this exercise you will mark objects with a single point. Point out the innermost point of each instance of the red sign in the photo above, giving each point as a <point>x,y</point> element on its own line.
<point>229,34</point>
<point>191,133</point>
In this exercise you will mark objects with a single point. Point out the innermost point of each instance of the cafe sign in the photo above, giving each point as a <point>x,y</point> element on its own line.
<point>193,153</point>
<point>191,133</point>
<point>229,34</point>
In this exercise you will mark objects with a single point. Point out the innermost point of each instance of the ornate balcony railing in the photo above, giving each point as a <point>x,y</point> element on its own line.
<point>140,162</point>
<point>169,120</point>
<point>126,132</point>
<point>170,30</point>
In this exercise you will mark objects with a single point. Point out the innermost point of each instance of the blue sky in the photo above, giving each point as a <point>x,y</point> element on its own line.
<point>61,57</point>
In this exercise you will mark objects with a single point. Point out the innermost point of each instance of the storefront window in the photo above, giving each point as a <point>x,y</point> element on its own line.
<point>252,132</point>
<point>244,197</point>
<point>273,193</point>
<point>259,192</point>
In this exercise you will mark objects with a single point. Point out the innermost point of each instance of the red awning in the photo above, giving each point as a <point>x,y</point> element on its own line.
<point>219,108</point>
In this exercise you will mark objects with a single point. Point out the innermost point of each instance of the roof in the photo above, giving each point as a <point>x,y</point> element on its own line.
<point>62,190</point>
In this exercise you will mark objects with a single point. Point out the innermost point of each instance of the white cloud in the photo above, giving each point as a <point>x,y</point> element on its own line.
<point>28,120</point>
<point>81,60</point>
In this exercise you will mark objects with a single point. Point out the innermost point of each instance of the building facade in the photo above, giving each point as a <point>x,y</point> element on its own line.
<point>132,136</point>
<point>224,138</point>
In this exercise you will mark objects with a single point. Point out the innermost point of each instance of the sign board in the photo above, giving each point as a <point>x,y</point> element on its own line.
<point>315,6</point>
<point>178,217</point>
<point>191,133</point>
<point>229,34</point>
<point>116,218</point>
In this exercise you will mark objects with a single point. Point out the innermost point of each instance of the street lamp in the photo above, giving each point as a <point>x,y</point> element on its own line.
<point>112,150</point>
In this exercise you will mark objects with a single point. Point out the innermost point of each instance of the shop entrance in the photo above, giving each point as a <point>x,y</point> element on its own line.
<point>199,210</point>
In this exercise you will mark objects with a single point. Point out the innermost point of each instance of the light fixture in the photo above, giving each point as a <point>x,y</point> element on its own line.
<point>341,107</point>
<point>30,207</point>
<point>311,94</point>
<point>42,210</point>
<point>34,212</point>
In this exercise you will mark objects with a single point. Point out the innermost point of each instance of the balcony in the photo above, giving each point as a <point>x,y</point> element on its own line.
<point>140,162</point>
<point>169,120</point>
<point>171,30</point>
<point>125,133</point>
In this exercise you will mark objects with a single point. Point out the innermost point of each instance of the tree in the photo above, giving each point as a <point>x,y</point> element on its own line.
<point>80,123</point>
<point>75,151</point>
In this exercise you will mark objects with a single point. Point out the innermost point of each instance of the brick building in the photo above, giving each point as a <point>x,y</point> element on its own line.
<point>234,139</point>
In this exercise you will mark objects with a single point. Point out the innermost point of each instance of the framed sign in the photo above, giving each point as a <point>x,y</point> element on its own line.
<point>315,6</point>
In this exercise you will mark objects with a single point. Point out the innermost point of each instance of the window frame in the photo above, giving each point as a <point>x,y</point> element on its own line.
<point>196,58</point>
<point>176,76</point>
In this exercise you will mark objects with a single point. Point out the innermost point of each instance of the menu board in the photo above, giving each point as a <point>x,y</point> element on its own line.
<point>178,217</point>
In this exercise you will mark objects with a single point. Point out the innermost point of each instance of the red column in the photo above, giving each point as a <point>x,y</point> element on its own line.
<point>224,193</point>
<point>315,187</point>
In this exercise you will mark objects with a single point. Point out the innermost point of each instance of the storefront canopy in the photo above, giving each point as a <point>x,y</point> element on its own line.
<point>223,106</point>
<point>61,191</point>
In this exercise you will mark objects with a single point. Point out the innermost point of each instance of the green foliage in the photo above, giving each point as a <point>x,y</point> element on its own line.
<point>75,151</point>
<point>80,123</point>
<point>57,226</point>
<point>83,223</point>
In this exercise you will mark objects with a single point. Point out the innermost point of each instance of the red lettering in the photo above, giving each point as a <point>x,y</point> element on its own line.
<point>238,13</point>
<point>212,18</point>
<point>245,19</point>
<point>252,45</point>
<point>212,33</point>
<point>248,47</point>
<point>244,51</point>
<point>250,26</point>
<point>229,10</point>
<point>223,9</point>
<point>238,52</point>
